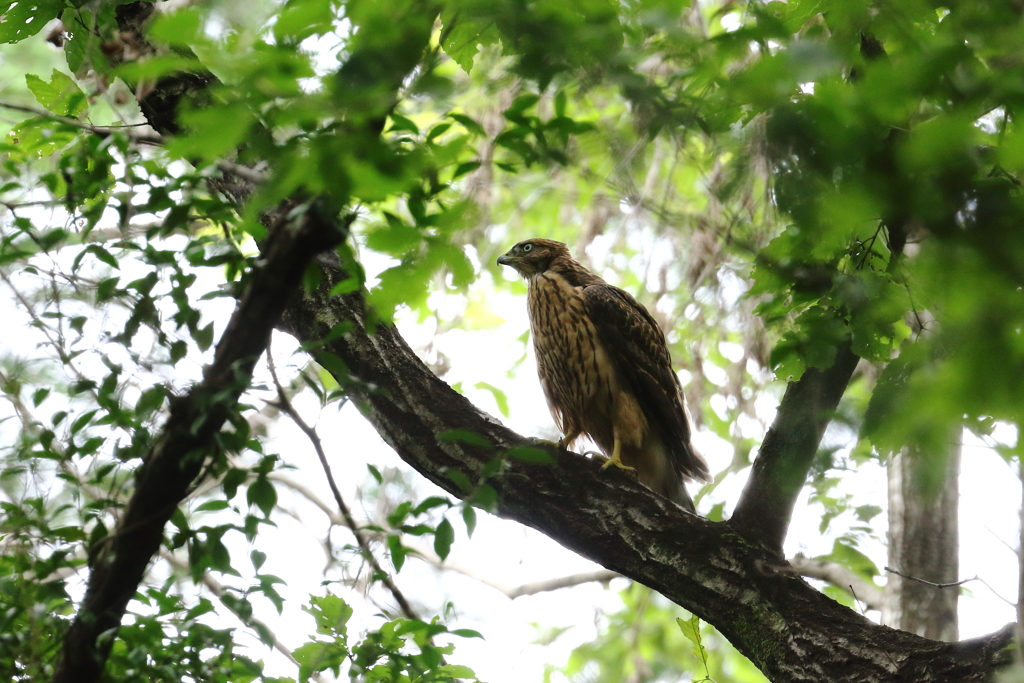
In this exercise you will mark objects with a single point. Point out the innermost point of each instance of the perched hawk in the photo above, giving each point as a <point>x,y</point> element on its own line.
<point>605,369</point>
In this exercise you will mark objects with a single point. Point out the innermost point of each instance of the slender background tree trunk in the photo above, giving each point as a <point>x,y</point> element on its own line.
<point>924,502</point>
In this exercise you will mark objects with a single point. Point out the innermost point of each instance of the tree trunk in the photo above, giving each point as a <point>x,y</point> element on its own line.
<point>924,499</point>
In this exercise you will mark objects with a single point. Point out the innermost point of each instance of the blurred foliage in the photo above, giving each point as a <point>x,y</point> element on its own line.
<point>651,639</point>
<point>773,180</point>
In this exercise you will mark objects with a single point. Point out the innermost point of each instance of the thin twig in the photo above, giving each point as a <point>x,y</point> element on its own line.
<point>932,583</point>
<point>987,585</point>
<point>856,600</point>
<point>151,138</point>
<point>287,408</point>
<point>13,206</point>
<point>512,592</point>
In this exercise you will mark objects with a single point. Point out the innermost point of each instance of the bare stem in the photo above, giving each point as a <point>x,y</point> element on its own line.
<point>932,583</point>
<point>286,407</point>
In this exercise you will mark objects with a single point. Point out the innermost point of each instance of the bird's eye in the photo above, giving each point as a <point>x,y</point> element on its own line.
<point>527,247</point>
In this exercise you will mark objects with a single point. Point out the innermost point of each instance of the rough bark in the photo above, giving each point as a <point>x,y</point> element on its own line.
<point>924,499</point>
<point>791,631</point>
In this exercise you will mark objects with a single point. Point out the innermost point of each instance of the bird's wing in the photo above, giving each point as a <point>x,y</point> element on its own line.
<point>638,349</point>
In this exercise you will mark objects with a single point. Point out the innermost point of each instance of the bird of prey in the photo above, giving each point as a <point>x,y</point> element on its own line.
<point>605,369</point>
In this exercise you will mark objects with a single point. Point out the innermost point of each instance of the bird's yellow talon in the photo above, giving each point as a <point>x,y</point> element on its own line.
<point>618,463</point>
<point>616,459</point>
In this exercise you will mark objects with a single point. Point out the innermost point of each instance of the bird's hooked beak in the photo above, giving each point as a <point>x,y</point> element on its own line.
<point>506,260</point>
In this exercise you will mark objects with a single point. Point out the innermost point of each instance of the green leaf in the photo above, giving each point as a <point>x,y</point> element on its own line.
<point>399,122</point>
<point>560,100</point>
<point>317,656</point>
<point>485,498</point>
<point>437,131</point>
<point>469,517</point>
<point>398,552</point>
<point>469,124</point>
<point>150,401</point>
<point>82,421</point>
<point>61,95</point>
<point>302,19</point>
<point>179,349</point>
<point>262,494</point>
<point>258,559</point>
<point>204,337</point>
<point>465,437</point>
<point>20,19</point>
<point>431,503</point>
<point>213,131</point>
<point>234,478</point>
<point>331,614</point>
<point>69,533</point>
<point>212,505</point>
<point>40,137</point>
<point>531,455</point>
<point>462,37</point>
<point>519,105</point>
<point>444,536</point>
<point>466,633</point>
<point>394,237</point>
<point>691,630</point>
<point>456,671</point>
<point>180,28</point>
<point>844,553</point>
<point>464,168</point>
<point>499,396</point>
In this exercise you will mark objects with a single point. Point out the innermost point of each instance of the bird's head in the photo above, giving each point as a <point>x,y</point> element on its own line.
<point>534,256</point>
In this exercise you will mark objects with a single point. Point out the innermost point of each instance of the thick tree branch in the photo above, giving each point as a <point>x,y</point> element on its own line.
<point>791,631</point>
<point>185,444</point>
<point>785,456</point>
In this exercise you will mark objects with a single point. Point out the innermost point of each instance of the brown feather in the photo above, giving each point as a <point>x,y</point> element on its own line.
<point>605,368</point>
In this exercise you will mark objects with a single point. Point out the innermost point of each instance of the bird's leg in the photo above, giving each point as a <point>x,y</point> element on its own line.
<point>616,458</point>
<point>563,443</point>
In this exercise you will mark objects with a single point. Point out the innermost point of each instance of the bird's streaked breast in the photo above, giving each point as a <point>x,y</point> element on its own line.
<point>574,369</point>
